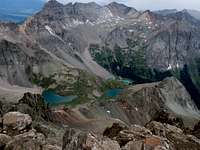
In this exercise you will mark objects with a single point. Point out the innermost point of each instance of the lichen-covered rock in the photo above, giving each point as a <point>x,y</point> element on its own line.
<point>164,117</point>
<point>176,136</point>
<point>39,110</point>
<point>31,140</point>
<point>138,138</point>
<point>78,140</point>
<point>27,141</point>
<point>148,143</point>
<point>160,129</point>
<point>196,130</point>
<point>4,139</point>
<point>16,121</point>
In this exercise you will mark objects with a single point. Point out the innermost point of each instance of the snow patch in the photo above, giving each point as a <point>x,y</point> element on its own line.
<point>77,22</point>
<point>89,22</point>
<point>51,31</point>
<point>131,30</point>
<point>108,111</point>
<point>107,16</point>
<point>169,67</point>
<point>136,108</point>
<point>177,65</point>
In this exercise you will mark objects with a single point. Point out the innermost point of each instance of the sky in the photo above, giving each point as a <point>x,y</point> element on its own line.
<point>149,4</point>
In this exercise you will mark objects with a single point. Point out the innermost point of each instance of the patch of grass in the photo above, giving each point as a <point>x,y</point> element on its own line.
<point>78,101</point>
<point>112,84</point>
<point>42,81</point>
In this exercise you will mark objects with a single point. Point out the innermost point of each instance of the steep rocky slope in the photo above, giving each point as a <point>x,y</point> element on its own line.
<point>67,32</point>
<point>141,38</point>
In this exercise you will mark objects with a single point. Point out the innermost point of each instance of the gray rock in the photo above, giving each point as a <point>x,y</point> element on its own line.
<point>78,140</point>
<point>16,121</point>
<point>4,139</point>
<point>30,140</point>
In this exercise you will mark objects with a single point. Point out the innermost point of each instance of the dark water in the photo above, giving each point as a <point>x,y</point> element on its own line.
<point>113,92</point>
<point>53,99</point>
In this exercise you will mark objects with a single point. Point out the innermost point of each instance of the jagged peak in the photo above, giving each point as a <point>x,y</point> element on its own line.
<point>91,4</point>
<point>147,14</point>
<point>184,15</point>
<point>120,9</point>
<point>52,4</point>
<point>115,4</point>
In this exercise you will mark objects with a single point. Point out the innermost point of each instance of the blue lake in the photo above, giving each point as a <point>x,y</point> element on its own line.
<point>52,98</point>
<point>113,92</point>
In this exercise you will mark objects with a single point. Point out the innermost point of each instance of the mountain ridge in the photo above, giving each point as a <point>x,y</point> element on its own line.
<point>62,21</point>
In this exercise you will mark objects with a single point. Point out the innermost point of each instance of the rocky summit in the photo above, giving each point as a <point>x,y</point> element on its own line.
<point>85,76</point>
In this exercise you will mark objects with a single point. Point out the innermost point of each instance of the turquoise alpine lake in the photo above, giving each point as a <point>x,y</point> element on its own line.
<point>54,99</point>
<point>113,92</point>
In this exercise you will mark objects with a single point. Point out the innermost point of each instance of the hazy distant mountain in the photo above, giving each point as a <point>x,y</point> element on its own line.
<point>194,13</point>
<point>18,10</point>
<point>165,12</point>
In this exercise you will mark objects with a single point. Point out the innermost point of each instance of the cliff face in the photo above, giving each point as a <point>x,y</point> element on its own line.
<point>74,27</point>
<point>17,62</point>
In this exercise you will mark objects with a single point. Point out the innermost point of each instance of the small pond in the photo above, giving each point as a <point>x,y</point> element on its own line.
<point>113,92</point>
<point>54,99</point>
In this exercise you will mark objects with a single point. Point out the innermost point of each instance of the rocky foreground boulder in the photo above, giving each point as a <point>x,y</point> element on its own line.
<point>17,133</point>
<point>16,121</point>
<point>79,140</point>
<point>155,136</point>
<point>29,141</point>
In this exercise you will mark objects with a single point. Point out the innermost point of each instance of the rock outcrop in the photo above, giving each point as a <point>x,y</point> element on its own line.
<point>36,106</point>
<point>18,133</point>
<point>30,140</point>
<point>174,135</point>
<point>155,136</point>
<point>16,121</point>
<point>196,130</point>
<point>32,104</point>
<point>78,140</point>
<point>4,139</point>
